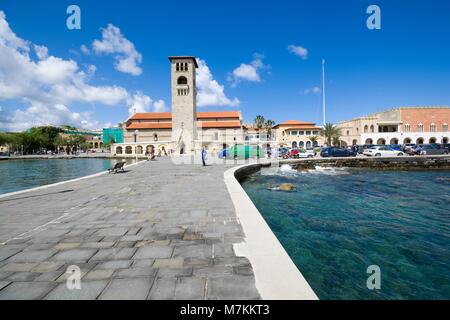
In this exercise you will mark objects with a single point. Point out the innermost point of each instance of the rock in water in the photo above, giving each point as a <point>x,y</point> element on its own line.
<point>286,187</point>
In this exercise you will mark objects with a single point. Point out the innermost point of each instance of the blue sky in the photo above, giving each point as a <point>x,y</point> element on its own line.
<point>244,49</point>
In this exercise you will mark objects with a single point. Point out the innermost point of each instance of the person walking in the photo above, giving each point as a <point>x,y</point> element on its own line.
<point>204,156</point>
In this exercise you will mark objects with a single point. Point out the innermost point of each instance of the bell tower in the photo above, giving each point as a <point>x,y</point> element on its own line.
<point>184,104</point>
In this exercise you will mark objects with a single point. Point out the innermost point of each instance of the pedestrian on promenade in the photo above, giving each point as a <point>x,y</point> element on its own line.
<point>204,156</point>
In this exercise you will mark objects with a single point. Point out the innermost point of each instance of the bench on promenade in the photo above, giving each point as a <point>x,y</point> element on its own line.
<point>119,166</point>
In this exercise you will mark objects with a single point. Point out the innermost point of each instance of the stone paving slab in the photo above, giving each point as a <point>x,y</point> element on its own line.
<point>157,231</point>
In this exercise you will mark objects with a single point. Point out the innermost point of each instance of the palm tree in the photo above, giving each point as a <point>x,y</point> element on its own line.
<point>314,140</point>
<point>269,126</point>
<point>259,123</point>
<point>336,141</point>
<point>330,132</point>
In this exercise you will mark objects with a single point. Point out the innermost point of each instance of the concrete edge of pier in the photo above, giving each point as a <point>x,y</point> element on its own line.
<point>276,275</point>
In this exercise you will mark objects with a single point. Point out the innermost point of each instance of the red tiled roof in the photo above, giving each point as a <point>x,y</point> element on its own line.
<point>218,114</point>
<point>150,125</point>
<point>200,115</point>
<point>168,125</point>
<point>295,122</point>
<point>152,116</point>
<point>305,127</point>
<point>220,124</point>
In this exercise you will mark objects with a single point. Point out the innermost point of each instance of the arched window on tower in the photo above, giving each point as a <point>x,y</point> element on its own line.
<point>182,81</point>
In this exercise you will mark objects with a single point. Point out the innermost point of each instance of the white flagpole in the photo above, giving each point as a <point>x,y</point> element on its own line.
<point>323,92</point>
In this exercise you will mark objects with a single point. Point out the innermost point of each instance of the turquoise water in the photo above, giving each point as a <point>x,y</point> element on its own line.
<point>339,222</point>
<point>16,175</point>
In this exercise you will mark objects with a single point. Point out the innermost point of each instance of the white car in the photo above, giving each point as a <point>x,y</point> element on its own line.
<point>382,151</point>
<point>311,152</point>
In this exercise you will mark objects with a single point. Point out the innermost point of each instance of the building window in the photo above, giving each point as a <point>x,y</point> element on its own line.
<point>420,127</point>
<point>432,127</point>
<point>372,129</point>
<point>308,133</point>
<point>407,127</point>
<point>366,129</point>
<point>315,133</point>
<point>294,133</point>
<point>182,80</point>
<point>302,133</point>
<point>216,136</point>
<point>348,132</point>
<point>445,127</point>
<point>155,136</point>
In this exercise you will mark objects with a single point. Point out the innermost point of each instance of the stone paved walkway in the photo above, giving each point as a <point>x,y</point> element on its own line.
<point>158,231</point>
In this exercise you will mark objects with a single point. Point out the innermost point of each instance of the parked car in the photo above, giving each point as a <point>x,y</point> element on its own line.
<point>293,153</point>
<point>408,146</point>
<point>431,149</point>
<point>446,146</point>
<point>364,147</point>
<point>337,152</point>
<point>302,153</point>
<point>282,151</point>
<point>382,151</point>
<point>397,147</point>
<point>311,151</point>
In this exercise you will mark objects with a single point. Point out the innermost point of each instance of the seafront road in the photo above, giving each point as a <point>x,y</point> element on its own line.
<point>157,231</point>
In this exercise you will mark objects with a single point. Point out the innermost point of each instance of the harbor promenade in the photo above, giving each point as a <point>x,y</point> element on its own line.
<point>157,231</point>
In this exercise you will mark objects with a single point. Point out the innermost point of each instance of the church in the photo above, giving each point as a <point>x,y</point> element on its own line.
<point>184,130</point>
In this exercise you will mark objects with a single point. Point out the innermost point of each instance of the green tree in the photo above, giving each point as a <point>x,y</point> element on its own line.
<point>314,140</point>
<point>330,132</point>
<point>67,127</point>
<point>269,126</point>
<point>336,141</point>
<point>46,136</point>
<point>5,138</point>
<point>76,141</point>
<point>259,122</point>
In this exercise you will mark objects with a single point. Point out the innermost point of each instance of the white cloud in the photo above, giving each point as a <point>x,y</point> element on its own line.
<point>209,91</point>
<point>138,103</point>
<point>248,72</point>
<point>85,49</point>
<point>41,52</point>
<point>44,114</point>
<point>47,86</point>
<point>298,51</point>
<point>159,106</point>
<point>113,42</point>
<point>313,90</point>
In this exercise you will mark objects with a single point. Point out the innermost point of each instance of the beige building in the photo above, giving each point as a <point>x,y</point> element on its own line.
<point>298,134</point>
<point>4,149</point>
<point>398,126</point>
<point>184,130</point>
<point>153,132</point>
